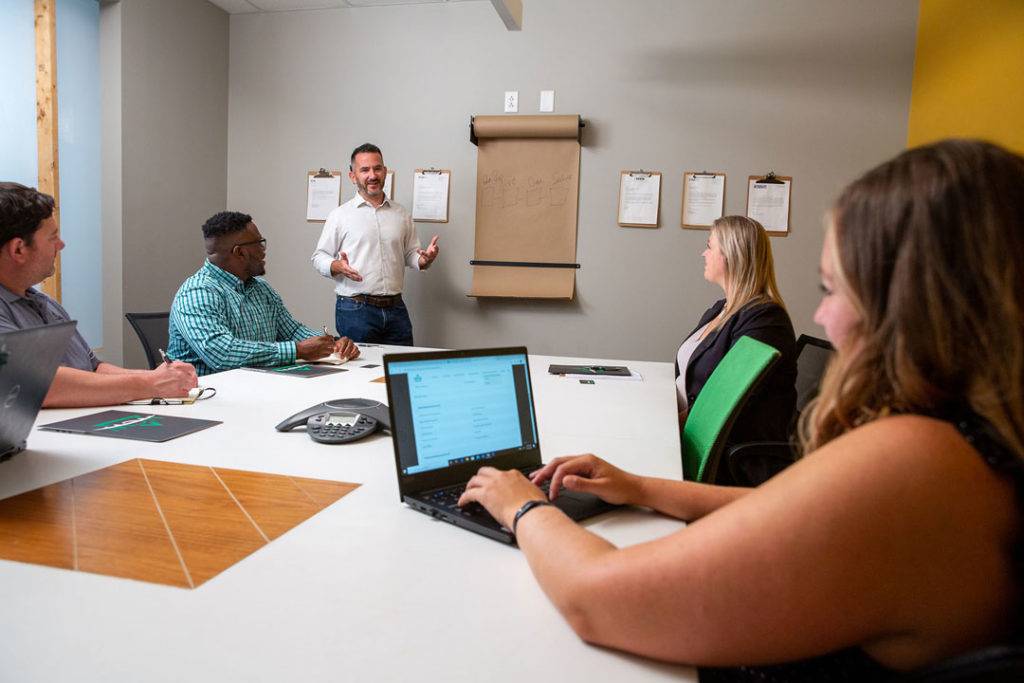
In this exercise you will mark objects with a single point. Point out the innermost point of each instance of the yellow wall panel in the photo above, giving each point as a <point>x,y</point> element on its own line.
<point>969,72</point>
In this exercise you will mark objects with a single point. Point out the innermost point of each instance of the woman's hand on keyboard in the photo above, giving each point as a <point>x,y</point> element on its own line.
<point>590,474</point>
<point>501,492</point>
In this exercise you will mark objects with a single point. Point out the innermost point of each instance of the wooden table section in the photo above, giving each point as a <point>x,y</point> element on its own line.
<point>158,521</point>
<point>362,589</point>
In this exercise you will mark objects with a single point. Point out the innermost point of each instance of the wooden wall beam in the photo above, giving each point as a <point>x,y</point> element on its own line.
<point>511,12</point>
<point>46,117</point>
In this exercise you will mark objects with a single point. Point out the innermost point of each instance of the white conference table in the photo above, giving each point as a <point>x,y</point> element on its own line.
<point>367,589</point>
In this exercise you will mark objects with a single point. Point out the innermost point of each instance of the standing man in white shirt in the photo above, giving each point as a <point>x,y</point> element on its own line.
<point>365,246</point>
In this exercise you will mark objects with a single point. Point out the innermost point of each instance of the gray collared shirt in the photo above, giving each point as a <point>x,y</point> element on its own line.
<point>35,309</point>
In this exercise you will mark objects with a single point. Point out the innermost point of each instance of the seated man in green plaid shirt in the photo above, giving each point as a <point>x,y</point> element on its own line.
<point>225,317</point>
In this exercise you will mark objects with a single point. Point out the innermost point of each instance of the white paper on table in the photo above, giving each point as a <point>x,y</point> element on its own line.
<point>633,376</point>
<point>333,359</point>
<point>768,203</point>
<point>703,198</point>
<point>322,196</point>
<point>430,196</point>
<point>639,195</point>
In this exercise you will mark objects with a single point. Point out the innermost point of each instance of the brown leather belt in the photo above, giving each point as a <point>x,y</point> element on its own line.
<point>378,301</point>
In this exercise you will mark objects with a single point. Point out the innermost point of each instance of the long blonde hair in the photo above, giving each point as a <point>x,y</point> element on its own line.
<point>749,267</point>
<point>929,247</point>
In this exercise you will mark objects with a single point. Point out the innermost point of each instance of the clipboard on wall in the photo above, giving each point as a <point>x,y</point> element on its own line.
<point>768,201</point>
<point>323,194</point>
<point>703,199</point>
<point>639,199</point>
<point>431,189</point>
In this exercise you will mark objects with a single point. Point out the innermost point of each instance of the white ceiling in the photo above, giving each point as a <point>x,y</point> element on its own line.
<point>251,6</point>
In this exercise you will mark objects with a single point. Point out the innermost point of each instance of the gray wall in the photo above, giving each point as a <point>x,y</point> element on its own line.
<point>173,73</point>
<point>816,90</point>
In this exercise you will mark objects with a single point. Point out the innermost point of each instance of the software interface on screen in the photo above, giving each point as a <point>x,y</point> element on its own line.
<point>460,409</point>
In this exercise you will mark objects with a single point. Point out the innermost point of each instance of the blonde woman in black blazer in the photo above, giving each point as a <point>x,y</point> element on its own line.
<point>738,258</point>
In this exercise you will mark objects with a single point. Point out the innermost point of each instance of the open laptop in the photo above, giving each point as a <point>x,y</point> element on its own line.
<point>453,412</point>
<point>29,361</point>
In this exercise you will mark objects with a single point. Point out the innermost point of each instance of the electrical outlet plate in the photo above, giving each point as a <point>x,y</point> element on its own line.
<point>511,101</point>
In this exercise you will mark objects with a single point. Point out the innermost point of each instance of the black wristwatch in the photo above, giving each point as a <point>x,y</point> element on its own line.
<point>527,506</point>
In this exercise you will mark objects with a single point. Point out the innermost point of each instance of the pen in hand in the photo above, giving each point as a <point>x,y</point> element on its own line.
<point>167,361</point>
<point>326,333</point>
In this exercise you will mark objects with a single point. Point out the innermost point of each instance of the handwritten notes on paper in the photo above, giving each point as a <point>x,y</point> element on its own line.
<point>430,196</point>
<point>768,202</point>
<point>703,199</point>
<point>639,198</point>
<point>529,191</point>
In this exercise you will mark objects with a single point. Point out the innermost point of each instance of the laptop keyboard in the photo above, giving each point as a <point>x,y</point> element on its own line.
<point>448,497</point>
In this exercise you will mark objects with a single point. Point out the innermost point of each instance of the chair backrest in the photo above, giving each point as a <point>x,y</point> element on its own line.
<point>152,331</point>
<point>994,664</point>
<point>812,357</point>
<point>719,402</point>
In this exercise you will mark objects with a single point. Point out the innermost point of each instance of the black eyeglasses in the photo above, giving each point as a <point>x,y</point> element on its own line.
<point>261,242</point>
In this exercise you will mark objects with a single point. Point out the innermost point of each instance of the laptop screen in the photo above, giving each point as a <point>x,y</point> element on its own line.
<point>457,410</point>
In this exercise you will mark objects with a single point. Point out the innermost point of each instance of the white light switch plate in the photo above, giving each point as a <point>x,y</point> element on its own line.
<point>547,100</point>
<point>511,101</point>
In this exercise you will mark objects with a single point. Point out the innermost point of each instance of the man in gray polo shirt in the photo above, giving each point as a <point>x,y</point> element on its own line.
<point>29,243</point>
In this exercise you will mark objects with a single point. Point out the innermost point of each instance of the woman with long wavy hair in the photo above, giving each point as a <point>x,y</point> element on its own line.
<point>896,541</point>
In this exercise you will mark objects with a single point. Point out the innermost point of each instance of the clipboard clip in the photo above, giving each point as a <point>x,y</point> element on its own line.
<point>641,174</point>
<point>771,178</point>
<point>430,170</point>
<point>323,173</point>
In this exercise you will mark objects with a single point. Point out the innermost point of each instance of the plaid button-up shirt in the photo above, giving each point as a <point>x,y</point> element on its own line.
<point>219,323</point>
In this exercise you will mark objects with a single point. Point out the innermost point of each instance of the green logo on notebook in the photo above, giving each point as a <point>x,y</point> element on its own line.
<point>294,368</point>
<point>127,422</point>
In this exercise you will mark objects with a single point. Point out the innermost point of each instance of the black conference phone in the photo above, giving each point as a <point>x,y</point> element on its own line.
<point>340,420</point>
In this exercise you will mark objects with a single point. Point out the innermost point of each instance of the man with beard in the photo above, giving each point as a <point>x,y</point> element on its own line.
<point>226,317</point>
<point>29,243</point>
<point>365,246</point>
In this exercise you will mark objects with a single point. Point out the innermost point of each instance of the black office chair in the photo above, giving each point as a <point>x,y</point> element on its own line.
<point>754,463</point>
<point>812,357</point>
<point>152,331</point>
<point>995,664</point>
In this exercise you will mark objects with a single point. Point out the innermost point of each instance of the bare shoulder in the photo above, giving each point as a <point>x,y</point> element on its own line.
<point>899,527</point>
<point>902,454</point>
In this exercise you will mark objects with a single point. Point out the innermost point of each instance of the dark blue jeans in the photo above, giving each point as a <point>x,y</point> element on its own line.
<point>365,323</point>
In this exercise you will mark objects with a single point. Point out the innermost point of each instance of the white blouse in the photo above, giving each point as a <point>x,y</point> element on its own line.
<point>683,359</point>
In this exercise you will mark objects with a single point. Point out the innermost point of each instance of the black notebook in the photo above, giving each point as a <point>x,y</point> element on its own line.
<point>139,426</point>
<point>595,370</point>
<point>301,370</point>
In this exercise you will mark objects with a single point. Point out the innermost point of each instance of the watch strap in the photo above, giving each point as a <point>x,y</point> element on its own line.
<point>527,506</point>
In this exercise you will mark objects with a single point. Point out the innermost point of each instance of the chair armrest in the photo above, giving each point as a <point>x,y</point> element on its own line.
<point>753,463</point>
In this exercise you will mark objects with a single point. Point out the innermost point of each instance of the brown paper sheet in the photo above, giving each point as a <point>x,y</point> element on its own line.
<point>526,205</point>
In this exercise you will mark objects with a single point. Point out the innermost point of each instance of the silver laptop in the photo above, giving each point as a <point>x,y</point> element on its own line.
<point>28,362</point>
<point>453,412</point>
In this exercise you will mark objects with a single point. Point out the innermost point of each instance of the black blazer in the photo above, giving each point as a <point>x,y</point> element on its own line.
<point>770,411</point>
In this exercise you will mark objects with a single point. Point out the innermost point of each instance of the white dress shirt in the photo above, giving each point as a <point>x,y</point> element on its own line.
<point>379,242</point>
